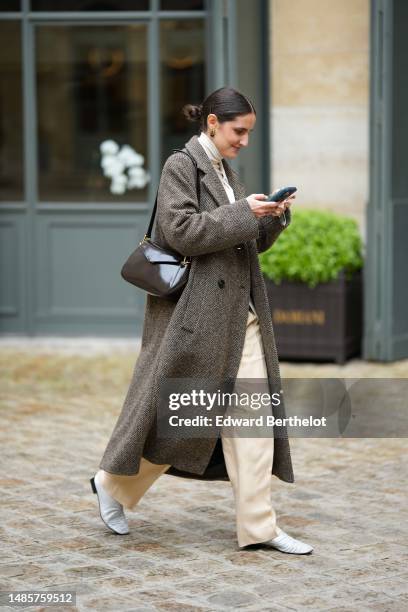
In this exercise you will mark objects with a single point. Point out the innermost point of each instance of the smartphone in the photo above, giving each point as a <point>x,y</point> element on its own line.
<point>283,193</point>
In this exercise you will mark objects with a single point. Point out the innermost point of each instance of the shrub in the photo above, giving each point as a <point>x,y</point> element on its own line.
<point>314,249</point>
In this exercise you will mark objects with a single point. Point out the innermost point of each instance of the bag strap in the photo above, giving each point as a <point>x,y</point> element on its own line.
<point>149,229</point>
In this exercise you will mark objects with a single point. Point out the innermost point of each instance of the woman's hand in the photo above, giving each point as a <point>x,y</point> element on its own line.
<point>260,208</point>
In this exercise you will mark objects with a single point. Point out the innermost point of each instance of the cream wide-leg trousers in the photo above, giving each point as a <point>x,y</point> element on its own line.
<point>248,462</point>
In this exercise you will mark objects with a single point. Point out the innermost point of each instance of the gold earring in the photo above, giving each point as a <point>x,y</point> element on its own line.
<point>212,133</point>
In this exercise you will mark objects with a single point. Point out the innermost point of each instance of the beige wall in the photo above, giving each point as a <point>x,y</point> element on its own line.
<point>319,59</point>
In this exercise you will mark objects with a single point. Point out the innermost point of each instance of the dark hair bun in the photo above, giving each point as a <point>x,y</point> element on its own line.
<point>193,112</point>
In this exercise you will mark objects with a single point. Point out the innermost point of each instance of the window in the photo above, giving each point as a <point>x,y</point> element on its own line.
<point>11,113</point>
<point>182,60</point>
<point>92,110</point>
<point>182,5</point>
<point>90,5</point>
<point>9,5</point>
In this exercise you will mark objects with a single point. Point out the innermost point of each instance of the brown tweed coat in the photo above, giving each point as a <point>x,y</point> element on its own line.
<point>203,333</point>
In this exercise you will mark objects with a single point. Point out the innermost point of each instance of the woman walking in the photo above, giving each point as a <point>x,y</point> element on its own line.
<point>220,329</point>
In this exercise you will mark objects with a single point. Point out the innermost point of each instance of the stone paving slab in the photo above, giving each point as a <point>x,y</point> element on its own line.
<point>57,412</point>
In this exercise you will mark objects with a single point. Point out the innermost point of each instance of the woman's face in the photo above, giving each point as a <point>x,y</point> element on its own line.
<point>230,136</point>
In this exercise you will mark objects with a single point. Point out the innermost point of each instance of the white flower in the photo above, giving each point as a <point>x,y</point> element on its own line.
<point>118,187</point>
<point>136,182</point>
<point>129,156</point>
<point>112,167</point>
<point>120,178</point>
<point>109,147</point>
<point>115,162</point>
<point>136,172</point>
<point>108,160</point>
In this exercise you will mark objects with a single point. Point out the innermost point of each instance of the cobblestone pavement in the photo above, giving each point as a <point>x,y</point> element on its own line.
<point>58,409</point>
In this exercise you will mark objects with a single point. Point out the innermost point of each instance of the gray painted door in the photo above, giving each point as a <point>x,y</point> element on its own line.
<point>101,110</point>
<point>92,181</point>
<point>386,286</point>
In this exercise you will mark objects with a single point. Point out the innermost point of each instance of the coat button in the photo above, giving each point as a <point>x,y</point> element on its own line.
<point>221,283</point>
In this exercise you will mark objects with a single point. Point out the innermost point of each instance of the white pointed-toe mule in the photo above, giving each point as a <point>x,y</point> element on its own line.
<point>285,543</point>
<point>111,511</point>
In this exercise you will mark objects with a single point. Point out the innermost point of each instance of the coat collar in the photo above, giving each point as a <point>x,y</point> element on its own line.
<point>210,179</point>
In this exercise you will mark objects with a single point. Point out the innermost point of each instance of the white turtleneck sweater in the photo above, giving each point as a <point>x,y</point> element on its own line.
<point>216,160</point>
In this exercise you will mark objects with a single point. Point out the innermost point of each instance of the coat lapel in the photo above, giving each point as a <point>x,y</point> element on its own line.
<point>238,188</point>
<point>210,180</point>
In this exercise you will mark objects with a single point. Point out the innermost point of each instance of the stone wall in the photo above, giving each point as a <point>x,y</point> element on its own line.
<point>319,63</point>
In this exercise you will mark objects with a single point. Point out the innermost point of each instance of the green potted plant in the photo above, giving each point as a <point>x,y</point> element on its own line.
<point>313,275</point>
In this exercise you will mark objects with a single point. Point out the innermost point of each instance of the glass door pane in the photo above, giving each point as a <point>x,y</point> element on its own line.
<point>182,5</point>
<point>182,61</point>
<point>92,113</point>
<point>11,113</point>
<point>9,5</point>
<point>89,5</point>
